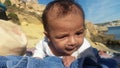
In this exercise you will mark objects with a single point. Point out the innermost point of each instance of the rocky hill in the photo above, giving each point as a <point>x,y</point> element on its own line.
<point>110,24</point>
<point>28,14</point>
<point>29,5</point>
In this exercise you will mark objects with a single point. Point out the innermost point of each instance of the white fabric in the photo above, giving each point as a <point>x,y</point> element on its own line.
<point>42,49</point>
<point>12,39</point>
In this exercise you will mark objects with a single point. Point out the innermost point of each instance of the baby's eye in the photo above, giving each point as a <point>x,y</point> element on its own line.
<point>80,33</point>
<point>61,37</point>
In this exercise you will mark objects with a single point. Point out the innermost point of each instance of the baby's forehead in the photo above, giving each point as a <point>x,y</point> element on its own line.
<point>60,10</point>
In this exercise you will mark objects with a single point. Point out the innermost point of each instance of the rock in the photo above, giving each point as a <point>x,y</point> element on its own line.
<point>92,28</point>
<point>101,47</point>
<point>102,28</point>
<point>96,39</point>
<point>13,40</point>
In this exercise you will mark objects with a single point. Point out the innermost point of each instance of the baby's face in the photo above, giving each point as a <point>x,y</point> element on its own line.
<point>66,34</point>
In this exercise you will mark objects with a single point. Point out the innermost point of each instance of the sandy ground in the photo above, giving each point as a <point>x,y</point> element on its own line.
<point>32,27</point>
<point>34,33</point>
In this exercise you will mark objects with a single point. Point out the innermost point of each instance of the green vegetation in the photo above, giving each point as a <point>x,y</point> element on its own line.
<point>102,38</point>
<point>7,3</point>
<point>14,9</point>
<point>113,44</point>
<point>14,18</point>
<point>36,15</point>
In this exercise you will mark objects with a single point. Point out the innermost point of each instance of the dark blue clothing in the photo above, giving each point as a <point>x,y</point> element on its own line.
<point>29,62</point>
<point>88,59</point>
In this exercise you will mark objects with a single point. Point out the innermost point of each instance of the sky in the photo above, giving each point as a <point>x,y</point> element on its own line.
<point>98,11</point>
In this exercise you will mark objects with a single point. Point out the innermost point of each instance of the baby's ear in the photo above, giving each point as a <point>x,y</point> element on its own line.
<point>46,34</point>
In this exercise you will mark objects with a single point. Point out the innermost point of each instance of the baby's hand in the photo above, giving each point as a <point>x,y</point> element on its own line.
<point>67,60</point>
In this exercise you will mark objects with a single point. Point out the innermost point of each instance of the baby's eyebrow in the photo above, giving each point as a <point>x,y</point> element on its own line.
<point>63,34</point>
<point>82,29</point>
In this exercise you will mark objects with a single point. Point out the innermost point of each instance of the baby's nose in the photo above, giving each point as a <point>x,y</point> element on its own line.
<point>72,41</point>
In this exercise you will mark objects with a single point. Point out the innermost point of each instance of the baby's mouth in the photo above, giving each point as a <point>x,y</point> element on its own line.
<point>70,48</point>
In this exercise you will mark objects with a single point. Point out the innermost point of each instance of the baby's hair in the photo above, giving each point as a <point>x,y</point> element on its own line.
<point>61,8</point>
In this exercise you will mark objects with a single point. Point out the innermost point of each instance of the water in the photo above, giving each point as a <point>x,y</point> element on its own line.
<point>115,31</point>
